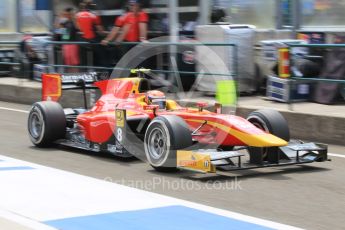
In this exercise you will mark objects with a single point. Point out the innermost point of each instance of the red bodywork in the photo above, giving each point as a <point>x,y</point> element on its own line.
<point>98,124</point>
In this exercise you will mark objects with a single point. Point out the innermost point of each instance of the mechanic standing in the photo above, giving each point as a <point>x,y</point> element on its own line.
<point>134,25</point>
<point>90,26</point>
<point>115,52</point>
<point>134,30</point>
<point>69,34</point>
<point>118,24</point>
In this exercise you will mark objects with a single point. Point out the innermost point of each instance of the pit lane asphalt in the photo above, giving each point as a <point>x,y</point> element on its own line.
<point>311,196</point>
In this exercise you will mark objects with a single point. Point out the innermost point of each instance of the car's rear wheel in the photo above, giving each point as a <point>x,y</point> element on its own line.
<point>271,122</point>
<point>46,123</point>
<point>164,136</point>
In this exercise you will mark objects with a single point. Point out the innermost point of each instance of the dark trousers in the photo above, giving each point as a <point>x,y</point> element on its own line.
<point>93,54</point>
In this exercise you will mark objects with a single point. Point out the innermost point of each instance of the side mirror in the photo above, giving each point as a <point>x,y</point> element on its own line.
<point>218,108</point>
<point>201,105</point>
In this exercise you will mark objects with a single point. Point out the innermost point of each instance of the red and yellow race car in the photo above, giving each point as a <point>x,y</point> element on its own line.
<point>129,119</point>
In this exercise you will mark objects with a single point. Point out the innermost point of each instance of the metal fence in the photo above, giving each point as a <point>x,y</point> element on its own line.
<point>55,63</point>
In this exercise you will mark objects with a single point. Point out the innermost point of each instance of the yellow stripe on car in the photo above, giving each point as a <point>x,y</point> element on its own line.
<point>255,140</point>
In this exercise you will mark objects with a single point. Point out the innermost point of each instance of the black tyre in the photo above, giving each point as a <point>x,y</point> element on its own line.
<point>274,123</point>
<point>164,136</point>
<point>46,123</point>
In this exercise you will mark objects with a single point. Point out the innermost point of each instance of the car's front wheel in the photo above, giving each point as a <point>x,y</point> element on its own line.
<point>164,136</point>
<point>272,122</point>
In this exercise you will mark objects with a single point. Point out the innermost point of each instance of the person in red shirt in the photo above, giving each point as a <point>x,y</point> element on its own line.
<point>118,24</point>
<point>134,24</point>
<point>90,26</point>
<point>87,22</point>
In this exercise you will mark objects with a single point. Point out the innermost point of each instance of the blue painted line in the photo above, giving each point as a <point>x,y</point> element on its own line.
<point>166,218</point>
<point>15,168</point>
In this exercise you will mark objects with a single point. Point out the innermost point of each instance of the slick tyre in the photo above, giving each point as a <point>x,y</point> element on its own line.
<point>46,123</point>
<point>164,136</point>
<point>271,122</point>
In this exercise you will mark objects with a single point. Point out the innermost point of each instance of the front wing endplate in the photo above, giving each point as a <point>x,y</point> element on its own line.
<point>194,161</point>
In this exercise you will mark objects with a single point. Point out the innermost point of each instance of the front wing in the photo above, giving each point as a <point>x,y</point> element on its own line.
<point>208,161</point>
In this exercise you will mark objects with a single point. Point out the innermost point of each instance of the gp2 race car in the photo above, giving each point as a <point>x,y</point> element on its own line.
<point>129,119</point>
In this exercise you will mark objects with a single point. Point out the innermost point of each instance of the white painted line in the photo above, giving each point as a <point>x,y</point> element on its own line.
<point>45,194</point>
<point>23,221</point>
<point>14,110</point>
<point>336,155</point>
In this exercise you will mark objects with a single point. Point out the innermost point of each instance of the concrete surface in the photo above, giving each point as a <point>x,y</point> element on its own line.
<point>307,121</point>
<point>10,225</point>
<point>51,198</point>
<point>310,196</point>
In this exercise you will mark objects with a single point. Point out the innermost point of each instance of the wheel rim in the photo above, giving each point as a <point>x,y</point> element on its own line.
<point>157,144</point>
<point>36,125</point>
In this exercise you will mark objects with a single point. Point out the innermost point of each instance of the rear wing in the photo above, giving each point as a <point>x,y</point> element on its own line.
<point>53,84</point>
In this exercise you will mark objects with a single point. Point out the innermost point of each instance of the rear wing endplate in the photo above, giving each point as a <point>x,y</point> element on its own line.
<point>53,84</point>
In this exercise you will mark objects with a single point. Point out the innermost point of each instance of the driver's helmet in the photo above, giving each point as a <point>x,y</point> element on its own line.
<point>155,97</point>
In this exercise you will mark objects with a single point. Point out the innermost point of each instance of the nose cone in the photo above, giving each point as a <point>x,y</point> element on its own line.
<point>249,134</point>
<point>261,140</point>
